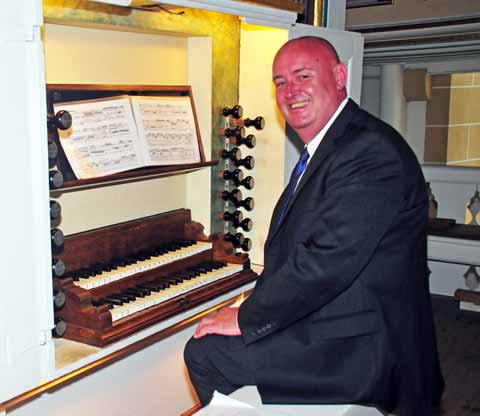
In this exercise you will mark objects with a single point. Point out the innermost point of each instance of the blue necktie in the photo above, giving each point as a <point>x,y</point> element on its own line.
<point>292,185</point>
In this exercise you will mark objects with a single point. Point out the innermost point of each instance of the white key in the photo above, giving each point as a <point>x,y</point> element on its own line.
<point>156,298</point>
<point>141,266</point>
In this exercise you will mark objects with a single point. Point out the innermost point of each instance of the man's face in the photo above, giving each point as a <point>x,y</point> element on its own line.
<point>309,87</point>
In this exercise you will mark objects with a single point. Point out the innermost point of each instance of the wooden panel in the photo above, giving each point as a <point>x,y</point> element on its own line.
<point>93,324</point>
<point>122,240</point>
<point>75,92</point>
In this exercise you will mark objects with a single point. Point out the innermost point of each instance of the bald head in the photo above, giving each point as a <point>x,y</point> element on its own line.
<point>310,84</point>
<point>317,46</point>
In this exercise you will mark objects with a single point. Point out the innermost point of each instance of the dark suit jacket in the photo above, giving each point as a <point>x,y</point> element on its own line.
<point>342,311</point>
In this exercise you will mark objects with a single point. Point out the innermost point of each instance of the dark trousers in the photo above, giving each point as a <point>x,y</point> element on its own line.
<point>217,362</point>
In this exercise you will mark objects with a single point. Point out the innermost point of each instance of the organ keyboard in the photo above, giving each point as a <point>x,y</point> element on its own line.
<point>122,278</point>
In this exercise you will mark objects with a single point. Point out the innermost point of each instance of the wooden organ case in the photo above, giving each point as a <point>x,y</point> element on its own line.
<point>173,267</point>
<point>122,278</point>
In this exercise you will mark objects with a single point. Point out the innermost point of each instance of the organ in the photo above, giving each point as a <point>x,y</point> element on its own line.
<point>119,279</point>
<point>123,278</point>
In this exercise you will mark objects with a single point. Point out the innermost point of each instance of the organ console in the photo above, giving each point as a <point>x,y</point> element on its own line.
<point>234,196</point>
<point>250,141</point>
<point>247,183</point>
<point>233,217</point>
<point>258,123</point>
<point>123,278</point>
<point>236,239</point>
<point>232,175</point>
<point>236,111</point>
<point>52,153</point>
<point>58,268</point>
<point>55,210</point>
<point>234,154</point>
<point>247,203</point>
<point>239,241</point>
<point>246,245</point>
<point>238,132</point>
<point>248,162</point>
<point>55,179</point>
<point>59,299</point>
<point>234,131</point>
<point>57,240</point>
<point>245,225</point>
<point>60,327</point>
<point>61,120</point>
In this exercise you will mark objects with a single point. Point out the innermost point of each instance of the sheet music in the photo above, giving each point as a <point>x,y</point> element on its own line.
<point>167,127</point>
<point>222,405</point>
<point>103,138</point>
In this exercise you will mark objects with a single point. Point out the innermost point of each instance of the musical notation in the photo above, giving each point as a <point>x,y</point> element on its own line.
<point>117,134</point>
<point>168,127</point>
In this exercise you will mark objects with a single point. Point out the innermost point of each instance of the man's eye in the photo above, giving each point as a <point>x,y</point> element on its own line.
<point>303,77</point>
<point>279,84</point>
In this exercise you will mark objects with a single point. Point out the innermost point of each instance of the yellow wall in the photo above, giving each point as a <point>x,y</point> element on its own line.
<point>453,120</point>
<point>86,55</point>
<point>108,44</point>
<point>191,47</point>
<point>258,98</point>
<point>464,131</point>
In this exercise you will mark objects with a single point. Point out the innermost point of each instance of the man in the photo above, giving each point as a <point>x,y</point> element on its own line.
<point>341,312</point>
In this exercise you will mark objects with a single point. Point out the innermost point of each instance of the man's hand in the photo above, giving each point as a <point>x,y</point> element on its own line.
<point>224,322</point>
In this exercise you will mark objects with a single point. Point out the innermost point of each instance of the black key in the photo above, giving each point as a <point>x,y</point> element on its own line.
<point>113,300</point>
<point>139,293</point>
<point>142,256</point>
<point>200,269</point>
<point>84,273</point>
<point>102,302</point>
<point>119,262</point>
<point>106,267</point>
<point>172,280</point>
<point>185,275</point>
<point>122,298</point>
<point>129,296</point>
<point>155,286</point>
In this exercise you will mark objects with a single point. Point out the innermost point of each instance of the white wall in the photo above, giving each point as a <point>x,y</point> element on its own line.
<point>452,187</point>
<point>151,382</point>
<point>26,315</point>
<point>371,84</point>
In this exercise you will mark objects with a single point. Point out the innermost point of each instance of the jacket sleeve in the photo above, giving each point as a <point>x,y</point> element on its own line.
<point>363,195</point>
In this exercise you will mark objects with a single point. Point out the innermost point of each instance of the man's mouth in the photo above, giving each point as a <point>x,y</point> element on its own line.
<point>299,104</point>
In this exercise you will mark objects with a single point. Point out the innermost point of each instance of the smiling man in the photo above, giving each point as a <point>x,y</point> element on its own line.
<point>342,311</point>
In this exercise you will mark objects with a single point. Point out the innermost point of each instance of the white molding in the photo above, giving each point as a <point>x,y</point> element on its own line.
<point>451,174</point>
<point>251,13</point>
<point>453,250</point>
<point>399,33</point>
<point>433,50</point>
<point>336,14</point>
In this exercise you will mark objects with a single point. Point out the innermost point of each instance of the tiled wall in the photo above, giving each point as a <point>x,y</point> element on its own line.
<point>452,133</point>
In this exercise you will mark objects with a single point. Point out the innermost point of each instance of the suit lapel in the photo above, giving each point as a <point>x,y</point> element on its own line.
<point>325,148</point>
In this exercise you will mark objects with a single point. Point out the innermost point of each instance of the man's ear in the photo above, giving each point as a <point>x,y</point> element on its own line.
<point>340,74</point>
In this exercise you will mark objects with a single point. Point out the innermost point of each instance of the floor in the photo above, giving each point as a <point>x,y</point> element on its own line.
<point>458,335</point>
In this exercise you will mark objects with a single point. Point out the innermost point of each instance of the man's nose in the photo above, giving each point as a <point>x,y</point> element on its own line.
<point>290,89</point>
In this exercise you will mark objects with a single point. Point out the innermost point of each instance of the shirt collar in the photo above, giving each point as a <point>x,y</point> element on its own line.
<point>313,144</point>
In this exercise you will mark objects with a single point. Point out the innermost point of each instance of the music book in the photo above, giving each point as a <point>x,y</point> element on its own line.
<point>117,134</point>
